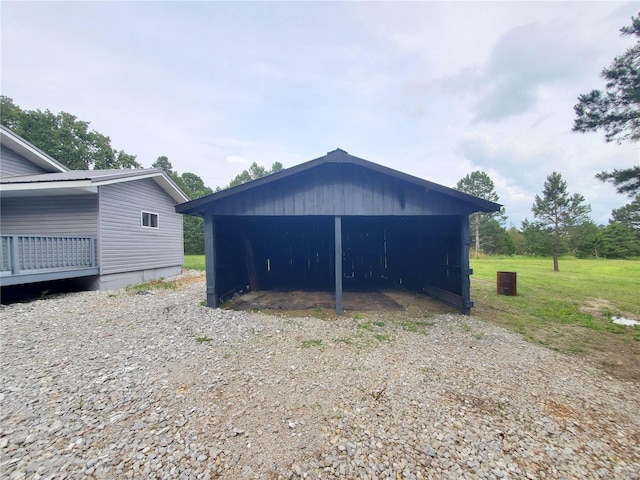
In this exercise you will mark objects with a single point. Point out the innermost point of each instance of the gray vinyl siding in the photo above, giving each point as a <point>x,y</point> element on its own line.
<point>124,244</point>
<point>69,215</point>
<point>13,164</point>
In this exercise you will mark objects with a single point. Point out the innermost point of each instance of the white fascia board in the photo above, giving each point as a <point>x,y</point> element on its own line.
<point>16,187</point>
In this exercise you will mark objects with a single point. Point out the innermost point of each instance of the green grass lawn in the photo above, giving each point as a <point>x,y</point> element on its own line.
<point>583,292</point>
<point>570,310</point>
<point>194,262</point>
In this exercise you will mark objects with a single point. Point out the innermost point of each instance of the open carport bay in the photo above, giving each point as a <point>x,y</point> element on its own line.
<point>290,253</point>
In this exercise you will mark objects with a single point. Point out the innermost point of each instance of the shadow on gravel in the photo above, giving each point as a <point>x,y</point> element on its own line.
<point>37,291</point>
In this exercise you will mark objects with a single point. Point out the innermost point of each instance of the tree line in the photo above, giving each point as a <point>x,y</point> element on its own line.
<point>560,224</point>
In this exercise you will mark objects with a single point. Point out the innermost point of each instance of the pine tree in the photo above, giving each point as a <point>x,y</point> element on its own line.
<point>559,211</point>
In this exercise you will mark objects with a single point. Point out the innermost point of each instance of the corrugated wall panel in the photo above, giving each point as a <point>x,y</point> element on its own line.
<point>12,164</point>
<point>67,215</point>
<point>124,244</point>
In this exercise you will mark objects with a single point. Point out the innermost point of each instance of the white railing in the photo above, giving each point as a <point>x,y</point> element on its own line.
<point>26,253</point>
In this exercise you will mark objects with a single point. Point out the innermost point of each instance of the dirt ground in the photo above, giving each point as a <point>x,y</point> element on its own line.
<point>299,302</point>
<point>401,302</point>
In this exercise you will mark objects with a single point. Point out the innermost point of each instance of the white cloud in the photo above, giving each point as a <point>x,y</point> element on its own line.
<point>236,159</point>
<point>216,85</point>
<point>524,61</point>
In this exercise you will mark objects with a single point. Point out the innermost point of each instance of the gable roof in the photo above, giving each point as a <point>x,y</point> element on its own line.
<point>335,157</point>
<point>32,153</point>
<point>62,180</point>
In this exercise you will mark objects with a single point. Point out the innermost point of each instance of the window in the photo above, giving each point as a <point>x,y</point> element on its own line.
<point>149,220</point>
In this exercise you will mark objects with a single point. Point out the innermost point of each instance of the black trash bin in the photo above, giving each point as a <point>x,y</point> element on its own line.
<point>507,283</point>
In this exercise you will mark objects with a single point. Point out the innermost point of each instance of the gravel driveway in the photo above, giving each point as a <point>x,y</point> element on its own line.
<point>119,384</point>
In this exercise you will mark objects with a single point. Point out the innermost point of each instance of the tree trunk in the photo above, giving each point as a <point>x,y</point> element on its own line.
<point>556,247</point>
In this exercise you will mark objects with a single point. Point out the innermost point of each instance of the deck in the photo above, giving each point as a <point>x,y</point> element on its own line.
<point>30,259</point>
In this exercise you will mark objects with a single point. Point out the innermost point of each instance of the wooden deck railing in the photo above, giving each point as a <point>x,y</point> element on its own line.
<point>24,253</point>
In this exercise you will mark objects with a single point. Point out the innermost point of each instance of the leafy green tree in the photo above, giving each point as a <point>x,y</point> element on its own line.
<point>193,235</point>
<point>586,240</point>
<point>626,180</point>
<point>193,186</point>
<point>518,241</point>
<point>538,239</point>
<point>254,172</point>
<point>496,240</point>
<point>480,185</point>
<point>10,114</point>
<point>64,137</point>
<point>122,160</point>
<point>190,183</point>
<point>619,241</point>
<point>616,110</point>
<point>559,211</point>
<point>629,215</point>
<point>613,241</point>
<point>164,164</point>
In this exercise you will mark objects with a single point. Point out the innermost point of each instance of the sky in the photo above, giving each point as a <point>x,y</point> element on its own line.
<point>433,89</point>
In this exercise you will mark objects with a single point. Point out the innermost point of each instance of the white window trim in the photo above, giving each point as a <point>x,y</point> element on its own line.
<point>142,212</point>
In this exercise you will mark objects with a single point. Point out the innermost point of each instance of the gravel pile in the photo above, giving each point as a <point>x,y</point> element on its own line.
<point>126,384</point>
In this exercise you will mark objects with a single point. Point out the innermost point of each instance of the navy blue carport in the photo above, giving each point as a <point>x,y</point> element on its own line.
<point>337,222</point>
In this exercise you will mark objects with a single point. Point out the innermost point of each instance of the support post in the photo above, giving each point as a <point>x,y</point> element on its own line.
<point>92,252</point>
<point>338,258</point>
<point>465,271</point>
<point>210,259</point>
<point>13,254</point>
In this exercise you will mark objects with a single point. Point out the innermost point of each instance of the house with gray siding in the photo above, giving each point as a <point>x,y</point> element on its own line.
<point>108,228</point>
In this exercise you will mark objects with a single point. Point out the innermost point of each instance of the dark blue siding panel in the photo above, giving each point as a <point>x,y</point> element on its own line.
<point>354,191</point>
